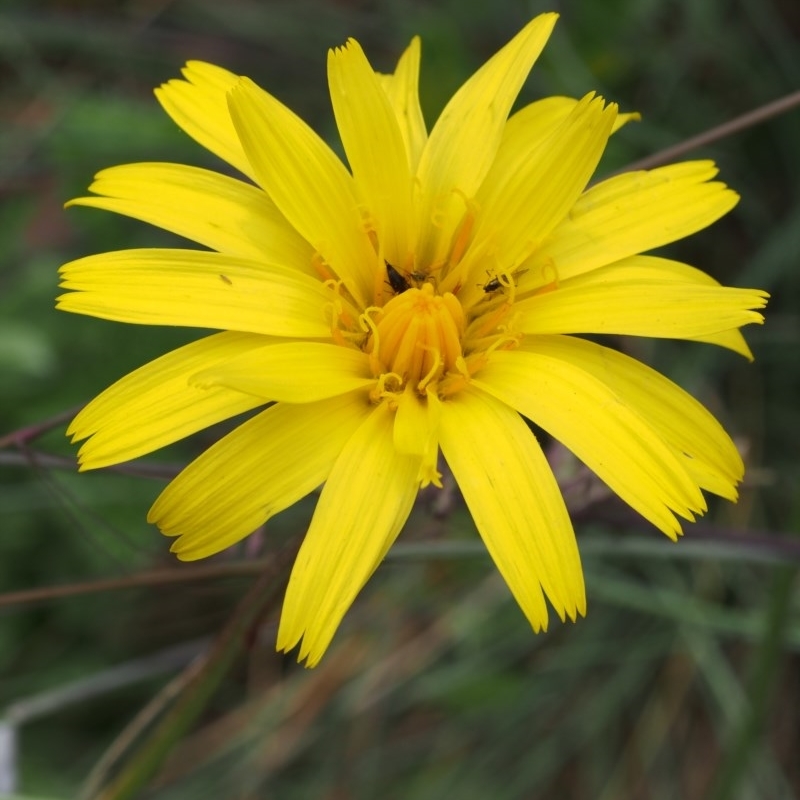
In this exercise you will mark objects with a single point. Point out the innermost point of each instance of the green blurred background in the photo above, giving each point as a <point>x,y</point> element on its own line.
<point>683,681</point>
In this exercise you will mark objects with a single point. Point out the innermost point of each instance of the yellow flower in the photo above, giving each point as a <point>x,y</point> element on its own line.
<point>421,301</point>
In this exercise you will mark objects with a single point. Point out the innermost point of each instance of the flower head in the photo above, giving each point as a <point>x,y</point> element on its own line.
<point>422,301</point>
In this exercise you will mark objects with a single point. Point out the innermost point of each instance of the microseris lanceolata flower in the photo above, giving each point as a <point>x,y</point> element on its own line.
<point>417,303</point>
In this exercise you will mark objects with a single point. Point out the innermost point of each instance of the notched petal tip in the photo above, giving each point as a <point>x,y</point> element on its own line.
<point>180,552</point>
<point>241,87</point>
<point>306,657</point>
<point>351,45</point>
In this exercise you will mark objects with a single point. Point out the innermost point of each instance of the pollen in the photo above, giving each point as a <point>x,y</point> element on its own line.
<point>418,336</point>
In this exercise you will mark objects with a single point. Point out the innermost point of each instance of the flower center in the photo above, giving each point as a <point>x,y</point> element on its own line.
<point>417,336</point>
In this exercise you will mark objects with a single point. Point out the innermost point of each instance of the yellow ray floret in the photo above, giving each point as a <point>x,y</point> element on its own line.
<point>465,138</point>
<point>607,434</point>
<point>658,308</point>
<point>296,372</point>
<point>681,421</point>
<point>348,537</point>
<point>516,504</point>
<point>307,182</point>
<point>632,213</point>
<point>187,287</point>
<point>263,466</point>
<point>198,105</point>
<point>402,90</point>
<point>373,143</point>
<point>521,206</point>
<point>157,404</point>
<point>228,215</point>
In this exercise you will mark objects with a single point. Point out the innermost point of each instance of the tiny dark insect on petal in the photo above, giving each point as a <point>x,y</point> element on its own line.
<point>398,283</point>
<point>503,280</point>
<point>226,279</point>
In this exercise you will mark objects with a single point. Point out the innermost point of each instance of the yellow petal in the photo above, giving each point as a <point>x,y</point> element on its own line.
<point>262,467</point>
<point>199,106</point>
<point>308,183</point>
<point>732,340</point>
<point>533,123</point>
<point>374,146</point>
<point>464,141</point>
<point>661,269</point>
<point>526,131</point>
<point>624,119</point>
<point>155,405</point>
<point>633,213</point>
<point>296,372</point>
<point>227,215</point>
<point>411,423</point>
<point>402,89</point>
<point>658,308</point>
<point>609,436</point>
<point>515,502</point>
<point>697,439</point>
<point>529,127</point>
<point>644,268</point>
<point>520,206</point>
<point>416,431</point>
<point>198,289</point>
<point>364,504</point>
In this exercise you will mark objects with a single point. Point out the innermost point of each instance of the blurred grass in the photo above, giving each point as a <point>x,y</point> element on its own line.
<point>682,681</point>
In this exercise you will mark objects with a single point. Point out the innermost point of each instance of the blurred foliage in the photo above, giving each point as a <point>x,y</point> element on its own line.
<point>683,680</point>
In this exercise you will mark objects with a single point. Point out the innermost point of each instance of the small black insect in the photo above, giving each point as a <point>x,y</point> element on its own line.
<point>398,283</point>
<point>492,286</point>
<point>502,281</point>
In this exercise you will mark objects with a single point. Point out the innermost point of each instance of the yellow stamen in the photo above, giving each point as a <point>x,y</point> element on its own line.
<point>322,269</point>
<point>487,324</point>
<point>381,392</point>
